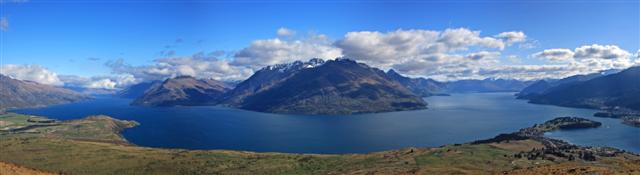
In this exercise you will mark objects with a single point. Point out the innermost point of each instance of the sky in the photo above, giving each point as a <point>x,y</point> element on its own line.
<point>112,44</point>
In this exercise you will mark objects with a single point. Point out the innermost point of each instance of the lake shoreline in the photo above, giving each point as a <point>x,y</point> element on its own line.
<point>530,151</point>
<point>464,117</point>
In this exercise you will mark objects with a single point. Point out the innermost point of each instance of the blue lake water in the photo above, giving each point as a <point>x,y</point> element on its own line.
<point>459,118</point>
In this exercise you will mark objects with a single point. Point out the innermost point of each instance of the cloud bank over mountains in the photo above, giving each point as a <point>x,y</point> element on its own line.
<point>450,54</point>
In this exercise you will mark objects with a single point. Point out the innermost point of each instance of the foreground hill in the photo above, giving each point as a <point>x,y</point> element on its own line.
<point>21,94</point>
<point>619,90</point>
<point>182,90</point>
<point>340,86</point>
<point>419,86</point>
<point>67,148</point>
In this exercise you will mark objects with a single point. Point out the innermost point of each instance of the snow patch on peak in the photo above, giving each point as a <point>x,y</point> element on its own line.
<point>296,65</point>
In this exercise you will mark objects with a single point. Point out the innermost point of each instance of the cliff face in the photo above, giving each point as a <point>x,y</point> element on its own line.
<point>21,94</point>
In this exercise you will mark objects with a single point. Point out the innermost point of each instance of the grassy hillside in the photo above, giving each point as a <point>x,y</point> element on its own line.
<point>66,148</point>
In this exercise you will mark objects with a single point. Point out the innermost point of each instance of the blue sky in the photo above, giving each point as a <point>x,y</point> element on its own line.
<point>61,35</point>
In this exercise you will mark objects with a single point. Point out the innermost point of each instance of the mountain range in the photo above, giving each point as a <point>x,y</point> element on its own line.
<point>600,91</point>
<point>340,86</point>
<point>22,94</point>
<point>541,86</point>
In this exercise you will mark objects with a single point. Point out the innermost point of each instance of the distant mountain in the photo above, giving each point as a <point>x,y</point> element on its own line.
<point>534,89</point>
<point>541,86</point>
<point>136,90</point>
<point>419,86</point>
<point>486,85</point>
<point>340,86</point>
<point>21,94</point>
<point>182,90</point>
<point>619,90</point>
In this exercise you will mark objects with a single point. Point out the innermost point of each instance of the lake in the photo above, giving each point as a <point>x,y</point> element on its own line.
<point>459,118</point>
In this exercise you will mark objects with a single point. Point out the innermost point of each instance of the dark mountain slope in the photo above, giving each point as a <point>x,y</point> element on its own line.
<point>339,86</point>
<point>267,77</point>
<point>616,90</point>
<point>21,94</point>
<point>541,86</point>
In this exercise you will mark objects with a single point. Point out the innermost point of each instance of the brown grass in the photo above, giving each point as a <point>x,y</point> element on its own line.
<point>13,169</point>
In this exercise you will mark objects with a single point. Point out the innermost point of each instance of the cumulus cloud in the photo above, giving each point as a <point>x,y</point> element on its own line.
<point>284,32</point>
<point>4,24</point>
<point>589,58</point>
<point>98,82</point>
<point>261,53</point>
<point>401,46</point>
<point>514,59</point>
<point>35,73</point>
<point>483,55</point>
<point>601,52</point>
<point>199,65</point>
<point>557,55</point>
<point>597,56</point>
<point>512,37</point>
<point>462,38</point>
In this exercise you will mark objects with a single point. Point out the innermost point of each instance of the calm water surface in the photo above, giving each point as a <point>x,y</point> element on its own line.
<point>458,118</point>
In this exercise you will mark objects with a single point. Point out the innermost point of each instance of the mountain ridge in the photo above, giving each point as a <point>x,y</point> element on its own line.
<point>16,93</point>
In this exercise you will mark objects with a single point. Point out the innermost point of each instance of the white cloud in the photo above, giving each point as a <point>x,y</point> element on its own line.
<point>199,65</point>
<point>514,59</point>
<point>102,83</point>
<point>556,55</point>
<point>512,37</point>
<point>596,56</point>
<point>275,51</point>
<point>596,51</point>
<point>462,38</point>
<point>35,73</point>
<point>398,47</point>
<point>483,55</point>
<point>99,82</point>
<point>4,24</point>
<point>589,58</point>
<point>284,32</point>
